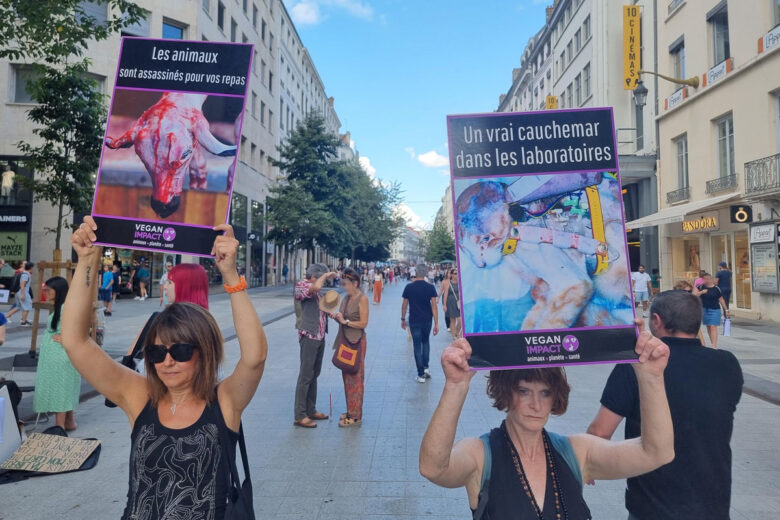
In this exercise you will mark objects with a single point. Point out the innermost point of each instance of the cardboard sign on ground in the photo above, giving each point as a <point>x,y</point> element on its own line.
<point>50,454</point>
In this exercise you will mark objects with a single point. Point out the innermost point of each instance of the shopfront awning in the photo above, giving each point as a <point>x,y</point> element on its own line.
<point>677,213</point>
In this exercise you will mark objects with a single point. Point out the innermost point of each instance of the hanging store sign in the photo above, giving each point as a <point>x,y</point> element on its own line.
<point>717,73</point>
<point>676,98</point>
<point>741,214</point>
<point>762,233</point>
<point>701,223</point>
<point>632,51</point>
<point>769,40</point>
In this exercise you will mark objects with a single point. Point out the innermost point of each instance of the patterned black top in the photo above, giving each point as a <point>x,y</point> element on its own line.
<point>177,474</point>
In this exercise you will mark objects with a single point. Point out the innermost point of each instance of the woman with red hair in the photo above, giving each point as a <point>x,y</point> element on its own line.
<point>188,283</point>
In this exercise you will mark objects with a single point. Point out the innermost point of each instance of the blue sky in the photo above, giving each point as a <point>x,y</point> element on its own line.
<point>398,68</point>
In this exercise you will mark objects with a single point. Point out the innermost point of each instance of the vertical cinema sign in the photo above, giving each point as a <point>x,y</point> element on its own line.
<point>632,46</point>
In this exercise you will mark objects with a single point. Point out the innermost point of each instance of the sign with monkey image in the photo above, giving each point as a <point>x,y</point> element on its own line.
<point>541,241</point>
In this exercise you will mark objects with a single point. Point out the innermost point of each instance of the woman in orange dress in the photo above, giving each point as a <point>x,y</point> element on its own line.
<point>378,284</point>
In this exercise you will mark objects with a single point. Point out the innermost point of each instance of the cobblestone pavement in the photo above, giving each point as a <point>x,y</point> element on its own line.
<point>371,472</point>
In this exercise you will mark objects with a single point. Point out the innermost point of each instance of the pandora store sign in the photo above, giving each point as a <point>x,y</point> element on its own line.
<point>701,223</point>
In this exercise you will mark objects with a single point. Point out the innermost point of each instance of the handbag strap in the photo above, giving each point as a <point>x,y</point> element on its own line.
<point>139,344</point>
<point>227,448</point>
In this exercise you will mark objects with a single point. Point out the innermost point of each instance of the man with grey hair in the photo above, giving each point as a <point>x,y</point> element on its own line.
<point>420,298</point>
<point>312,325</point>
<point>703,386</point>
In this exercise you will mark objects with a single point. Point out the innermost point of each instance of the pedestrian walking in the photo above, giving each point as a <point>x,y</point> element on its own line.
<point>364,282</point>
<point>105,292</point>
<point>23,299</point>
<point>353,320</point>
<point>179,410</point>
<point>640,280</point>
<point>703,387</point>
<point>712,302</point>
<point>451,305</point>
<point>419,297</point>
<point>143,279</point>
<point>116,287</point>
<point>723,281</point>
<point>521,470</point>
<point>57,382</point>
<point>655,282</point>
<point>312,324</point>
<point>164,283</point>
<point>285,272</point>
<point>378,285</point>
<point>700,280</point>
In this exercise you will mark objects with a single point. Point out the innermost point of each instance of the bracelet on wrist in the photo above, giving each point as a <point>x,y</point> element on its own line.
<point>240,286</point>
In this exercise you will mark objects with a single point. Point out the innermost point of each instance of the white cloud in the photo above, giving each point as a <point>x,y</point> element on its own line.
<point>306,13</point>
<point>412,218</point>
<point>433,159</point>
<point>365,163</point>
<point>410,151</point>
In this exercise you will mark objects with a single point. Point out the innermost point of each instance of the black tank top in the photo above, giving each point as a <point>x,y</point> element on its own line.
<point>507,499</point>
<point>177,473</point>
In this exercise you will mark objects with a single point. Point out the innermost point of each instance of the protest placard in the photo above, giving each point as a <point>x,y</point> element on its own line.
<point>50,454</point>
<point>539,225</point>
<point>169,154</point>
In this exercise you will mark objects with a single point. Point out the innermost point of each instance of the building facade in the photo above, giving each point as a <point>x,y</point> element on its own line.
<point>284,86</point>
<point>577,57</point>
<point>720,147</point>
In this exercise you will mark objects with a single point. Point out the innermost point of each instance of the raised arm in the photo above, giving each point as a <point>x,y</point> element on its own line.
<point>442,461</point>
<point>607,460</point>
<point>121,385</point>
<point>319,283</point>
<point>238,388</point>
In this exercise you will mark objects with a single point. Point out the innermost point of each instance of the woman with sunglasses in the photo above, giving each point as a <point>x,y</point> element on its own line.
<point>176,411</point>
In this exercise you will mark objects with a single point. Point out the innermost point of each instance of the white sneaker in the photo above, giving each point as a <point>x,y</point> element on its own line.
<point>427,373</point>
<point>137,298</point>
<point>419,379</point>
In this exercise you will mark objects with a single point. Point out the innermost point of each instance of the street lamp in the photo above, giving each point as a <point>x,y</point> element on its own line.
<point>640,94</point>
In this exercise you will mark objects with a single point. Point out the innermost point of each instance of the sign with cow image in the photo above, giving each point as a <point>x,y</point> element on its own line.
<point>171,144</point>
<point>543,264</point>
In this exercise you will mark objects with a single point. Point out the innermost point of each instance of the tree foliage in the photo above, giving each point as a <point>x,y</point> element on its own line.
<point>56,31</point>
<point>440,244</point>
<point>69,120</point>
<point>70,114</point>
<point>330,203</point>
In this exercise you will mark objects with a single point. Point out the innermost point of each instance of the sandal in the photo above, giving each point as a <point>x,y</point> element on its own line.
<point>319,416</point>
<point>348,422</point>
<point>303,424</point>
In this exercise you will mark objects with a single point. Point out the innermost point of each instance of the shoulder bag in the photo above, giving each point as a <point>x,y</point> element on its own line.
<point>239,494</point>
<point>347,355</point>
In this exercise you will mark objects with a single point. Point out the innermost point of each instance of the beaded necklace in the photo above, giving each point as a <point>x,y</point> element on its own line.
<point>560,507</point>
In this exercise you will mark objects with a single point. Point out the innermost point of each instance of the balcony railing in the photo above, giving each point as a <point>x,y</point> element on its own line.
<point>722,183</point>
<point>674,4</point>
<point>762,175</point>
<point>680,195</point>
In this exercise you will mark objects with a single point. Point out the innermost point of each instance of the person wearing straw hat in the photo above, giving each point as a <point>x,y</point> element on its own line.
<point>312,324</point>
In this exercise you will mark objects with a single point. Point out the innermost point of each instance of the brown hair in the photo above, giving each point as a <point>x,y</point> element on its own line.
<point>503,383</point>
<point>183,322</point>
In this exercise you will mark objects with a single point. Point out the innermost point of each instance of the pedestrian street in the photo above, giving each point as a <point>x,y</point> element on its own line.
<point>370,472</point>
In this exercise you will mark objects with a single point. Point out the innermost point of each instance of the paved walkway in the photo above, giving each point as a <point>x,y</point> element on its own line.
<point>371,472</point>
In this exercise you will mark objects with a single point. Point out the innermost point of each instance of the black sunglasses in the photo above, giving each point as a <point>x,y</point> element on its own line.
<point>181,352</point>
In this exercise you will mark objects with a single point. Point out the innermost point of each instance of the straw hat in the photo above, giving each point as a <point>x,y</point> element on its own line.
<point>330,301</point>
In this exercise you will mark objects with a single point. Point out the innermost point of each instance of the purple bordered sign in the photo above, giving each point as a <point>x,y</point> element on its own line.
<point>543,266</point>
<point>169,153</point>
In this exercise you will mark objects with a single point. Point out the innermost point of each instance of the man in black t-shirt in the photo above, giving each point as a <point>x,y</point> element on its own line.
<point>703,386</point>
<point>420,298</point>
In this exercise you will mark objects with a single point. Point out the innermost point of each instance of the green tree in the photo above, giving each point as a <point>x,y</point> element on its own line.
<point>70,114</point>
<point>440,244</point>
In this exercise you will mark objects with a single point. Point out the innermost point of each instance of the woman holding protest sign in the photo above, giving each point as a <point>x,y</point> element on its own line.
<point>180,414</point>
<point>521,455</point>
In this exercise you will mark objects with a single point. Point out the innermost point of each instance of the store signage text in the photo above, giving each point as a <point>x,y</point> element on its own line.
<point>763,233</point>
<point>19,219</point>
<point>769,40</point>
<point>676,98</point>
<point>632,51</point>
<point>703,223</point>
<point>717,73</point>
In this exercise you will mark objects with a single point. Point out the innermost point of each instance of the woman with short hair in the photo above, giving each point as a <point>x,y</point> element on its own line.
<point>178,411</point>
<point>536,474</point>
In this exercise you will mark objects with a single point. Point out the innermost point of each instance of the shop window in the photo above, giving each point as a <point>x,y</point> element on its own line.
<point>238,210</point>
<point>725,146</point>
<point>742,282</point>
<point>681,155</point>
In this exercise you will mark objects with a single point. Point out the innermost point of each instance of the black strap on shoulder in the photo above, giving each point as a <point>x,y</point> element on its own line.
<point>233,481</point>
<point>487,468</point>
<point>139,344</point>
